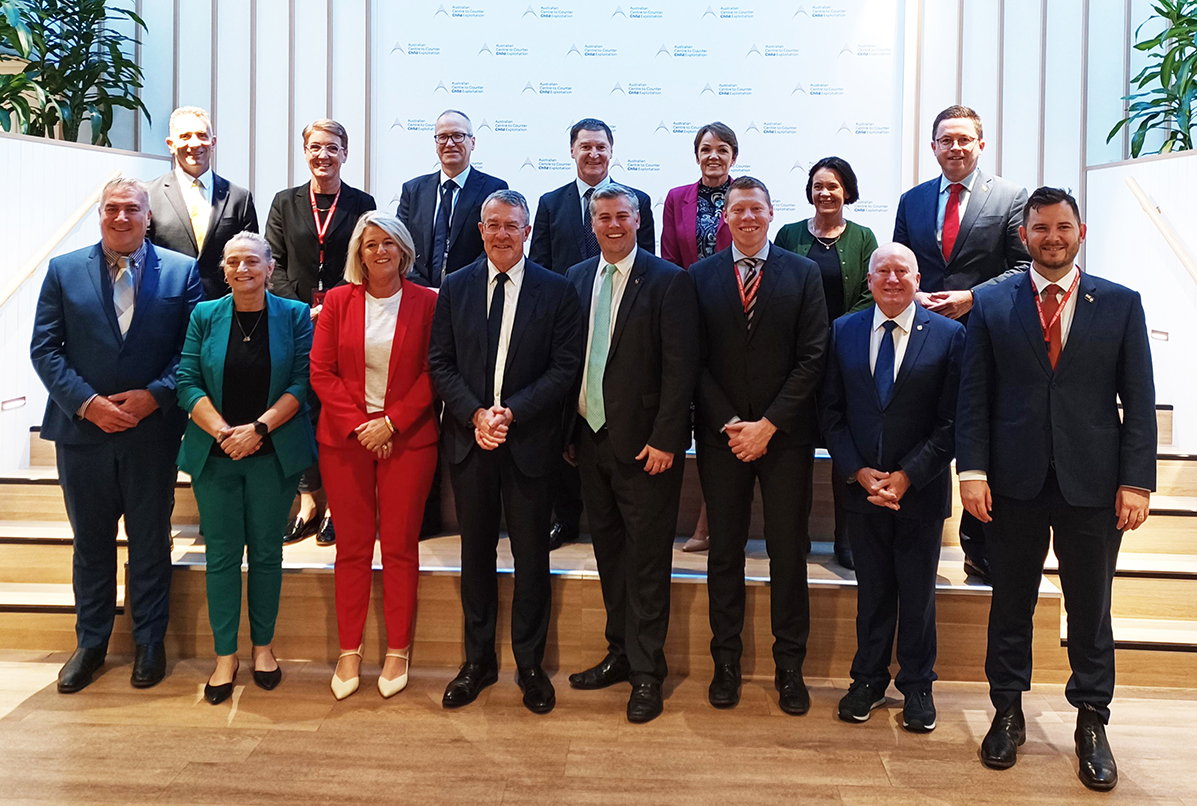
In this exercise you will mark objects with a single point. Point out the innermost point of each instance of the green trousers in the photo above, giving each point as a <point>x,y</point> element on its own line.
<point>243,507</point>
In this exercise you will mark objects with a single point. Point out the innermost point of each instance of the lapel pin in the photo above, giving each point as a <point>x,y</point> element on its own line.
<point>1088,298</point>
<point>919,327</point>
<point>637,281</point>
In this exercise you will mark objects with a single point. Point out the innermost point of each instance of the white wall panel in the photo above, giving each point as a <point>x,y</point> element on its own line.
<point>1020,93</point>
<point>1108,40</point>
<point>309,83</point>
<point>941,39</point>
<point>270,113</point>
<point>1063,95</point>
<point>158,64</point>
<point>349,37</point>
<point>195,53</point>
<point>231,113</point>
<point>980,73</point>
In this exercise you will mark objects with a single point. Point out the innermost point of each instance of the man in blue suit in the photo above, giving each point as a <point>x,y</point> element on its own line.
<point>963,228</point>
<point>107,336</point>
<point>1043,454</point>
<point>888,408</point>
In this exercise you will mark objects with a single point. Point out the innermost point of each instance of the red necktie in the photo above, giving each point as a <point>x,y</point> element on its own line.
<point>1054,339</point>
<point>951,220</point>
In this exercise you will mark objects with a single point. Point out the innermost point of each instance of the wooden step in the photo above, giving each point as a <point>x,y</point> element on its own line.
<point>1149,566</point>
<point>48,564</point>
<point>1140,597</point>
<point>1176,475</point>
<point>33,494</point>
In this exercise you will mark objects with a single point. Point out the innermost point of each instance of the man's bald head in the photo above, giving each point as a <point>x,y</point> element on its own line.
<point>893,278</point>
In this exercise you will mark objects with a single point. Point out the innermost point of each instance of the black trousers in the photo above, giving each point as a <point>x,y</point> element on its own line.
<point>896,564</point>
<point>100,483</point>
<point>727,484</point>
<point>310,482</point>
<point>567,497</point>
<point>487,484</point>
<point>1086,541</point>
<point>633,521</point>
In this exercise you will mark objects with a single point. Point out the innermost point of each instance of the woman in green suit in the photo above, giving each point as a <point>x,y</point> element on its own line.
<point>842,249</point>
<point>243,377</point>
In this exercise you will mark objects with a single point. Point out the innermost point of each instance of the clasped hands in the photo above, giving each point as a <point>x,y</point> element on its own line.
<point>375,436</point>
<point>490,426</point>
<point>884,489</point>
<point>749,441</point>
<point>121,411</point>
<point>239,441</point>
<point>952,304</point>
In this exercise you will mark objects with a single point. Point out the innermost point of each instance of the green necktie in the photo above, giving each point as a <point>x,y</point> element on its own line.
<point>600,340</point>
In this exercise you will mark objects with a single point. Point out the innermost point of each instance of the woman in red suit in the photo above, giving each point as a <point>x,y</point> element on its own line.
<point>377,435</point>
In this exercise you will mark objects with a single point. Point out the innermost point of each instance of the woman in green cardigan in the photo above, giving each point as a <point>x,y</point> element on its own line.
<point>842,249</point>
<point>243,376</point>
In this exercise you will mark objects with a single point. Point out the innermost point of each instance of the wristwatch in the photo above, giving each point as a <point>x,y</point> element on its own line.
<point>260,428</point>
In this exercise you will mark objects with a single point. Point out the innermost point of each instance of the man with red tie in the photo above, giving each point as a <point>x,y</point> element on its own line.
<point>963,228</point>
<point>1043,454</point>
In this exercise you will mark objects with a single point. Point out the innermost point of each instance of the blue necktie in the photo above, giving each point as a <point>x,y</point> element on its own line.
<point>600,342</point>
<point>440,234</point>
<point>883,370</point>
<point>494,325</point>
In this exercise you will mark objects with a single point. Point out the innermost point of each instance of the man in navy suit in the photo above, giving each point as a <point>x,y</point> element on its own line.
<point>504,354</point>
<point>563,237</point>
<point>889,406</point>
<point>442,209</point>
<point>107,337</point>
<point>963,228</point>
<point>763,326</point>
<point>1043,454</point>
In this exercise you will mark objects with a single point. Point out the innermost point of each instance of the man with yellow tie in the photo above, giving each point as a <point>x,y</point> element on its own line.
<point>195,211</point>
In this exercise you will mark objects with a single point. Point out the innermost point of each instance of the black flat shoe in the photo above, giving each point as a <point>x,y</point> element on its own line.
<point>559,535</point>
<point>149,665</point>
<point>539,696</point>
<point>77,673</point>
<point>610,671</point>
<point>843,553</point>
<point>299,529</point>
<point>218,694</point>
<point>468,684</point>
<point>724,691</point>
<point>793,696</point>
<point>977,567</point>
<point>327,535</point>
<point>268,680</point>
<point>646,703</point>
<point>999,748</point>
<point>1097,768</point>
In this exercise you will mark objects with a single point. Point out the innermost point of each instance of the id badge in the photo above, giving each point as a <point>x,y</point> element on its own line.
<point>318,298</point>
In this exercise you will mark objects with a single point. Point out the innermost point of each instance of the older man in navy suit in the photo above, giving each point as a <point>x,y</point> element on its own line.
<point>107,337</point>
<point>1043,455</point>
<point>888,407</point>
<point>963,228</point>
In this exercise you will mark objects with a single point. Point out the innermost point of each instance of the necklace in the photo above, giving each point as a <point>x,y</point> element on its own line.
<point>247,336</point>
<point>825,243</point>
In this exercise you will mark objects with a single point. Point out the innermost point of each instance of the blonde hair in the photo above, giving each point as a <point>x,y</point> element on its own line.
<point>355,268</point>
<point>328,127</point>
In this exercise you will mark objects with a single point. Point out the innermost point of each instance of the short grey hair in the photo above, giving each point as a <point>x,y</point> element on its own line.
<point>512,198</point>
<point>355,269</point>
<point>462,115</point>
<point>193,111</point>
<point>120,183</point>
<point>615,191</point>
<point>253,238</point>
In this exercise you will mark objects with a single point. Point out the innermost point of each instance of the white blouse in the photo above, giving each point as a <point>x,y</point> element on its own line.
<point>382,316</point>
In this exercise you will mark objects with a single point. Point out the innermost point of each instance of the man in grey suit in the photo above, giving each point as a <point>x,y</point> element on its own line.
<point>196,212</point>
<point>963,228</point>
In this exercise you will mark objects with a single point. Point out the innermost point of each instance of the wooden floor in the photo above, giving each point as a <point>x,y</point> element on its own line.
<point>296,745</point>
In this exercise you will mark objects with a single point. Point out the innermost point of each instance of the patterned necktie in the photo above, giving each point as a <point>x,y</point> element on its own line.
<point>124,293</point>
<point>592,247</point>
<point>600,341</point>
<point>951,219</point>
<point>494,326</point>
<point>751,276</point>
<point>198,213</point>
<point>1054,336</point>
<point>440,234</point>
<point>883,369</point>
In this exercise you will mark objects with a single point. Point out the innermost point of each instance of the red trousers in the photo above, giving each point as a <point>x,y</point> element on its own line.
<point>368,495</point>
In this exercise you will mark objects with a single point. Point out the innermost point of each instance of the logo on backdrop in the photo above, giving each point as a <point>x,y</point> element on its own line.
<point>752,50</point>
<point>752,127</point>
<point>663,49</point>
<point>780,51</point>
<point>552,13</point>
<point>660,126</point>
<point>485,49</point>
<point>508,50</point>
<point>867,206</point>
<point>398,123</point>
<point>729,13</point>
<point>639,13</point>
<point>774,127</point>
<point>417,49</point>
<point>707,88</point>
<point>483,125</point>
<point>825,90</point>
<point>573,49</point>
<point>531,11</point>
<point>798,88</point>
<point>528,163</point>
<point>729,89</point>
<point>799,165</point>
<point>460,12</point>
<point>683,51</point>
<point>801,10</point>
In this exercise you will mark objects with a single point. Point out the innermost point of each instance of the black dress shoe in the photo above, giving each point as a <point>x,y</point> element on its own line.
<point>724,691</point>
<point>299,529</point>
<point>794,699</point>
<point>559,535</point>
<point>843,553</point>
<point>468,684</point>
<point>977,567</point>
<point>1097,770</point>
<point>149,665</point>
<point>268,680</point>
<point>999,748</point>
<point>645,704</point>
<point>218,694</point>
<point>539,697</point>
<point>327,535</point>
<point>610,671</point>
<point>77,672</point>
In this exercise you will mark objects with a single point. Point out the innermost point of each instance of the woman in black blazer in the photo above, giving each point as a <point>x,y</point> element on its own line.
<point>309,229</point>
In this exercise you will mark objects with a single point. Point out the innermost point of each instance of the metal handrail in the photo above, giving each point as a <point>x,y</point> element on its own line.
<point>58,237</point>
<point>1164,226</point>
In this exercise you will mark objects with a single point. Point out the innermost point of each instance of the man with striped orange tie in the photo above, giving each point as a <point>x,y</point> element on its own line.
<point>763,335</point>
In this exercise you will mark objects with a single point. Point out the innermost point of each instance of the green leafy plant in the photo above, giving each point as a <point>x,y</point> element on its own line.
<point>75,69</point>
<point>1167,107</point>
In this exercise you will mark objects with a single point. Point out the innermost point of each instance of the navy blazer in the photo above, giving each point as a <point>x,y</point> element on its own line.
<point>652,360</point>
<point>987,249</point>
<point>417,210</point>
<point>542,361</point>
<point>78,351</point>
<point>1017,416</point>
<point>558,241</point>
<point>914,432</point>
<point>773,371</point>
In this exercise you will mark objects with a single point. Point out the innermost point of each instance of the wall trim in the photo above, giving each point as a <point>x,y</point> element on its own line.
<point>28,138</point>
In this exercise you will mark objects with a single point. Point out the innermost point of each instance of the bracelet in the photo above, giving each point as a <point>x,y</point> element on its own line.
<point>390,424</point>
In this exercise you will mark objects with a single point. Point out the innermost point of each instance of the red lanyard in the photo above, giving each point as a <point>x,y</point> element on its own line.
<point>1047,326</point>
<point>749,297</point>
<point>321,229</point>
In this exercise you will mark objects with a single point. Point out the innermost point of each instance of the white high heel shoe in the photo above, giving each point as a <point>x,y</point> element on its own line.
<point>343,688</point>
<point>389,688</point>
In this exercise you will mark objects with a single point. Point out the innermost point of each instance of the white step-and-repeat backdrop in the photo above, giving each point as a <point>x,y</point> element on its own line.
<point>797,81</point>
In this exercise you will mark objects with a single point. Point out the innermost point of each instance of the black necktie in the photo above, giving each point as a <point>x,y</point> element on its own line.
<point>592,247</point>
<point>494,325</point>
<point>440,234</point>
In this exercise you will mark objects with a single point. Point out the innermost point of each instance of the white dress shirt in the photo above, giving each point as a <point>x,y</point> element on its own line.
<point>966,193</point>
<point>619,283</point>
<point>905,322</point>
<point>583,187</point>
<point>382,316</point>
<point>737,256</point>
<point>511,298</point>
<point>458,180</point>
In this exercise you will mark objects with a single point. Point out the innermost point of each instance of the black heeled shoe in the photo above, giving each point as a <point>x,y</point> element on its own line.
<point>218,694</point>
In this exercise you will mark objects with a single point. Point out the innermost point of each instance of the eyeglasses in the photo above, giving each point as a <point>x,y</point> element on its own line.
<point>457,137</point>
<point>316,149</point>
<point>510,227</point>
<point>964,141</point>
